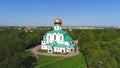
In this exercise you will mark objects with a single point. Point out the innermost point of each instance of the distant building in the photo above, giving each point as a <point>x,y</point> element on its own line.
<point>117,27</point>
<point>28,29</point>
<point>57,40</point>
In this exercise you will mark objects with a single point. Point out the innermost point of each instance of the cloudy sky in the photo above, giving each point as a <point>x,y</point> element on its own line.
<point>72,12</point>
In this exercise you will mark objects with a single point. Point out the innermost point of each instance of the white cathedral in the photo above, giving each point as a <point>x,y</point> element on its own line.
<point>57,40</point>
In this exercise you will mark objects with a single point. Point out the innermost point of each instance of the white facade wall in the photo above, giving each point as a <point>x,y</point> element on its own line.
<point>43,43</point>
<point>56,49</point>
<point>68,50</point>
<point>60,42</point>
<point>44,47</point>
<point>67,43</point>
<point>57,27</point>
<point>46,37</point>
<point>63,50</point>
<point>59,37</point>
<point>62,37</point>
<point>50,38</point>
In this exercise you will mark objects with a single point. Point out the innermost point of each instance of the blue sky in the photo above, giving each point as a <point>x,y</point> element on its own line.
<point>72,12</point>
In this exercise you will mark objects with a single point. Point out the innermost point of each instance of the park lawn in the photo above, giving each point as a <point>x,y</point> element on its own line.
<point>71,62</point>
<point>40,50</point>
<point>44,60</point>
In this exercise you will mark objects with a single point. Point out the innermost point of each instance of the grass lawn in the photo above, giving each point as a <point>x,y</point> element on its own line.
<point>71,62</point>
<point>45,59</point>
<point>40,50</point>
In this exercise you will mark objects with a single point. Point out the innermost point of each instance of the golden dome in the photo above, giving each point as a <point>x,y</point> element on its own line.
<point>57,21</point>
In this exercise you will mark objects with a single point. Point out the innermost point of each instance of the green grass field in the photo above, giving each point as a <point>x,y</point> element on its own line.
<point>60,62</point>
<point>42,50</point>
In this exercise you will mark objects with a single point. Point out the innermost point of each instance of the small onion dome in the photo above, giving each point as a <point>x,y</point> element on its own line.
<point>57,21</point>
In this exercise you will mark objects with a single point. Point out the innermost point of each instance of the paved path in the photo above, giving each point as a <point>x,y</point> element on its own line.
<point>35,51</point>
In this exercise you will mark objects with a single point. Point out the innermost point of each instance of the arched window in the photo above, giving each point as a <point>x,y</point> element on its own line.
<point>59,28</point>
<point>49,37</point>
<point>56,27</point>
<point>45,37</point>
<point>60,38</point>
<point>54,37</point>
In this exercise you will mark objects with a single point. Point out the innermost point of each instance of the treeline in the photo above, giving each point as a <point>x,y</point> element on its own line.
<point>101,47</point>
<point>13,46</point>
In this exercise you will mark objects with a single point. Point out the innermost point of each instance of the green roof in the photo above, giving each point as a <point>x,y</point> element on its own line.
<point>57,45</point>
<point>57,31</point>
<point>51,44</point>
<point>61,45</point>
<point>67,38</point>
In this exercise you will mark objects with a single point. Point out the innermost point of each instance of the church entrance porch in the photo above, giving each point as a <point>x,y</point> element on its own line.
<point>50,49</point>
<point>71,50</point>
<point>62,51</point>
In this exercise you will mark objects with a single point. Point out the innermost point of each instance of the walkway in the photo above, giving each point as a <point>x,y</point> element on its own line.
<point>35,51</point>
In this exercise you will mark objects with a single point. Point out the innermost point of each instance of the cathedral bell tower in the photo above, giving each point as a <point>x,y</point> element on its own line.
<point>57,24</point>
